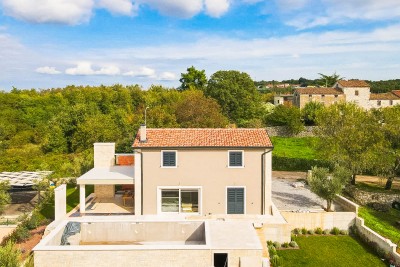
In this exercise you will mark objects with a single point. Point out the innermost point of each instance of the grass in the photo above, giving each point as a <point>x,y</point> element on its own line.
<point>384,223</point>
<point>293,147</point>
<point>377,188</point>
<point>329,251</point>
<point>72,200</point>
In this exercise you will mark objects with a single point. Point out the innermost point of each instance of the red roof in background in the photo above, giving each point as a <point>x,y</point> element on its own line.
<point>318,91</point>
<point>396,92</point>
<point>383,96</point>
<point>197,137</point>
<point>353,83</point>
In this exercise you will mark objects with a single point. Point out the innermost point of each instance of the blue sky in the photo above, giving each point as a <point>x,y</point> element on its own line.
<point>53,43</point>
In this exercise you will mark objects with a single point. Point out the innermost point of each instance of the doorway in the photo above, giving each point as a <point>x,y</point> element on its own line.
<point>220,259</point>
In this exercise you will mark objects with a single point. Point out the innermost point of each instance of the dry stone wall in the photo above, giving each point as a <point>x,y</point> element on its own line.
<point>365,198</point>
<point>283,131</point>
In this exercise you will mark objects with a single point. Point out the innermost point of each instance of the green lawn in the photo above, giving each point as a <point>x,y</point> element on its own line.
<point>329,251</point>
<point>293,147</point>
<point>377,188</point>
<point>72,200</point>
<point>384,223</point>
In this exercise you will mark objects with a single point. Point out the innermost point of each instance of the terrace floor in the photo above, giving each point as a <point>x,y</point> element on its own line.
<point>113,205</point>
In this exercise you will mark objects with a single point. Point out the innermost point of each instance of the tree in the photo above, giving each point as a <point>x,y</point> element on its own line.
<point>41,185</point>
<point>236,94</point>
<point>387,159</point>
<point>349,137</point>
<point>327,185</point>
<point>4,195</point>
<point>195,110</point>
<point>329,80</point>
<point>309,112</point>
<point>288,116</point>
<point>9,255</point>
<point>194,78</point>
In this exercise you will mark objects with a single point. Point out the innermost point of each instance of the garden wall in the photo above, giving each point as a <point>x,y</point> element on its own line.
<point>325,220</point>
<point>283,131</point>
<point>364,197</point>
<point>370,236</point>
<point>346,204</point>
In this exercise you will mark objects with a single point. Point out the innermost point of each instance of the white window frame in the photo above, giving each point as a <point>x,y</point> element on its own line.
<point>162,157</point>
<point>236,167</point>
<point>159,198</point>
<point>244,199</point>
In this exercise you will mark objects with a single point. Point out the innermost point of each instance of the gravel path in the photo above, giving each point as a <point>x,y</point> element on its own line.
<point>287,197</point>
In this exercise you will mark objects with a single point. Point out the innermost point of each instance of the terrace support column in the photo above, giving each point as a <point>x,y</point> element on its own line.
<point>82,202</point>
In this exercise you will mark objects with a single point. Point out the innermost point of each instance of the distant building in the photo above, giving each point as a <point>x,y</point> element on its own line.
<point>286,99</point>
<point>326,96</point>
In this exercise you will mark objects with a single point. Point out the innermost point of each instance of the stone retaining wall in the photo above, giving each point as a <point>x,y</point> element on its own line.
<point>282,131</point>
<point>364,197</point>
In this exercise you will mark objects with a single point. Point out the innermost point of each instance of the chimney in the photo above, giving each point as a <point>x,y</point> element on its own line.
<point>143,137</point>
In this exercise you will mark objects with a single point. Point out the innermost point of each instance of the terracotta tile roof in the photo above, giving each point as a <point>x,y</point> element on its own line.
<point>318,91</point>
<point>229,137</point>
<point>353,83</point>
<point>384,96</point>
<point>396,92</point>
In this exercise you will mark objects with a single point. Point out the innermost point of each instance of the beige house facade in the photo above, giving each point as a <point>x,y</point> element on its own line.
<point>202,172</point>
<point>326,96</point>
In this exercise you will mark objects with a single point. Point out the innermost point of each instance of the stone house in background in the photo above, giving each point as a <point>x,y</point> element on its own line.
<point>355,91</point>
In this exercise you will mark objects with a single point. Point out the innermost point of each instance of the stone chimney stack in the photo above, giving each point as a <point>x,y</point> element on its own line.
<point>143,137</point>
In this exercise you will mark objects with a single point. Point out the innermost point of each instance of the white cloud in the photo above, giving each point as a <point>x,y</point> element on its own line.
<point>216,8</point>
<point>53,11</point>
<point>122,7</point>
<point>141,72</point>
<point>167,76</point>
<point>47,70</point>
<point>328,12</point>
<point>176,8</point>
<point>85,68</point>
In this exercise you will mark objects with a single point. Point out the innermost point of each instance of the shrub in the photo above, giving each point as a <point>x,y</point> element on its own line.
<point>326,232</point>
<point>296,231</point>
<point>285,245</point>
<point>344,232</point>
<point>29,262</point>
<point>9,255</point>
<point>276,261</point>
<point>34,221</point>
<point>20,234</point>
<point>310,232</point>
<point>293,244</point>
<point>270,243</point>
<point>296,164</point>
<point>277,244</point>
<point>304,231</point>
<point>318,230</point>
<point>272,250</point>
<point>335,231</point>
<point>293,237</point>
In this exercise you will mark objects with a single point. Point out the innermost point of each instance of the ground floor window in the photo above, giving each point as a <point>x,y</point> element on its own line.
<point>180,200</point>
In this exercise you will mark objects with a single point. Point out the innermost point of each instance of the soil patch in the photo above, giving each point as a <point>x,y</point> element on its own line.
<point>27,246</point>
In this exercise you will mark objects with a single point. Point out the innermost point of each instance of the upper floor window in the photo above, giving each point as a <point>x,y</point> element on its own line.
<point>235,158</point>
<point>356,92</point>
<point>168,158</point>
<point>391,102</point>
<point>379,102</point>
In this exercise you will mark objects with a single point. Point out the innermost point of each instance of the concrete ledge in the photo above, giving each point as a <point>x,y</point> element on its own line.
<point>347,204</point>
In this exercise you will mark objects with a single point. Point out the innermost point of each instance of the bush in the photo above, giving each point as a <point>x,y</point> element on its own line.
<point>293,237</point>
<point>276,261</point>
<point>326,232</point>
<point>29,262</point>
<point>34,221</point>
<point>296,164</point>
<point>277,244</point>
<point>293,244</point>
<point>318,230</point>
<point>335,231</point>
<point>272,250</point>
<point>20,234</point>
<point>270,243</point>
<point>296,231</point>
<point>285,245</point>
<point>310,232</point>
<point>304,231</point>
<point>9,255</point>
<point>344,232</point>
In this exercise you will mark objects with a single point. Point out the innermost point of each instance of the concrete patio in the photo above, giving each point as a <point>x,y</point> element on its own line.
<point>113,205</point>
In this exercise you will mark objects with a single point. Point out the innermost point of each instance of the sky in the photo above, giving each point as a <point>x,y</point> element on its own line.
<point>54,43</point>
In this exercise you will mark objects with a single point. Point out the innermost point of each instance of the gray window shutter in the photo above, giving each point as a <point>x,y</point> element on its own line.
<point>235,158</point>
<point>169,158</point>
<point>235,199</point>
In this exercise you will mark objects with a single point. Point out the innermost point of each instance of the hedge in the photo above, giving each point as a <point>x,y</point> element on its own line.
<point>296,164</point>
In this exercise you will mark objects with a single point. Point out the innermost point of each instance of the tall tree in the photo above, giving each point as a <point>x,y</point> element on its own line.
<point>327,185</point>
<point>288,116</point>
<point>349,137</point>
<point>194,78</point>
<point>195,110</point>
<point>309,112</point>
<point>387,159</point>
<point>329,80</point>
<point>236,94</point>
